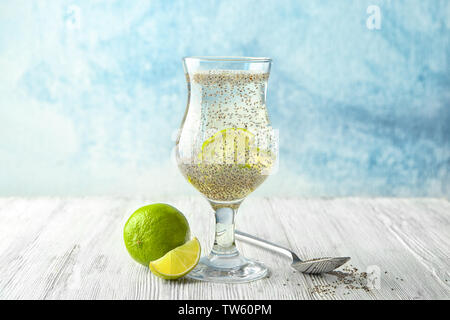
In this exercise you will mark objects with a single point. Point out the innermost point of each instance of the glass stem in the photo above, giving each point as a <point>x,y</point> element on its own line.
<point>224,238</point>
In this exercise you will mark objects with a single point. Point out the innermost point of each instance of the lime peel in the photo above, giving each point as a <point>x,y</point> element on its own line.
<point>154,230</point>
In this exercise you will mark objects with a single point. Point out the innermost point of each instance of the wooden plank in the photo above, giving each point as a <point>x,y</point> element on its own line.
<point>357,228</point>
<point>55,248</point>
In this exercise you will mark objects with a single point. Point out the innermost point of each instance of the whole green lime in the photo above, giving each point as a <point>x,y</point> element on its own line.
<point>154,230</point>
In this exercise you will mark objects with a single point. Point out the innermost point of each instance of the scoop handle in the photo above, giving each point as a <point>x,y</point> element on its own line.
<point>266,244</point>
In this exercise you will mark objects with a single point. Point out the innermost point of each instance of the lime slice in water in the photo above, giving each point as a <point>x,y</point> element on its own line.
<point>228,146</point>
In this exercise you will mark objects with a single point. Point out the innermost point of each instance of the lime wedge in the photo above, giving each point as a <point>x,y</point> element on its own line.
<point>177,262</point>
<point>228,146</point>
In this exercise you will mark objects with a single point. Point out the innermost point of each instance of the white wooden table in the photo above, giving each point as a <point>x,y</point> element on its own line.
<point>56,248</point>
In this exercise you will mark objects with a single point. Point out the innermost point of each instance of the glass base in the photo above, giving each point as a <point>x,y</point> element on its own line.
<point>234,269</point>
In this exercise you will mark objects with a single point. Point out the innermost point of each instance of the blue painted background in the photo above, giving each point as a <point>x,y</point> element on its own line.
<point>91,93</point>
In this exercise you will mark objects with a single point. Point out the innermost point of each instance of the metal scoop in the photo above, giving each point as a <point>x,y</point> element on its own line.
<point>314,266</point>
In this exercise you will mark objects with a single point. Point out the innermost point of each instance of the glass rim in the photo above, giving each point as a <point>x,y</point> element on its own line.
<point>228,59</point>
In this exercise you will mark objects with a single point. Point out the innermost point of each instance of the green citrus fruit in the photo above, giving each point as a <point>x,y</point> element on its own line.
<point>154,230</point>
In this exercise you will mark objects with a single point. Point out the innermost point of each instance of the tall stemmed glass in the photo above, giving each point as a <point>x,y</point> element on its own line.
<point>225,149</point>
